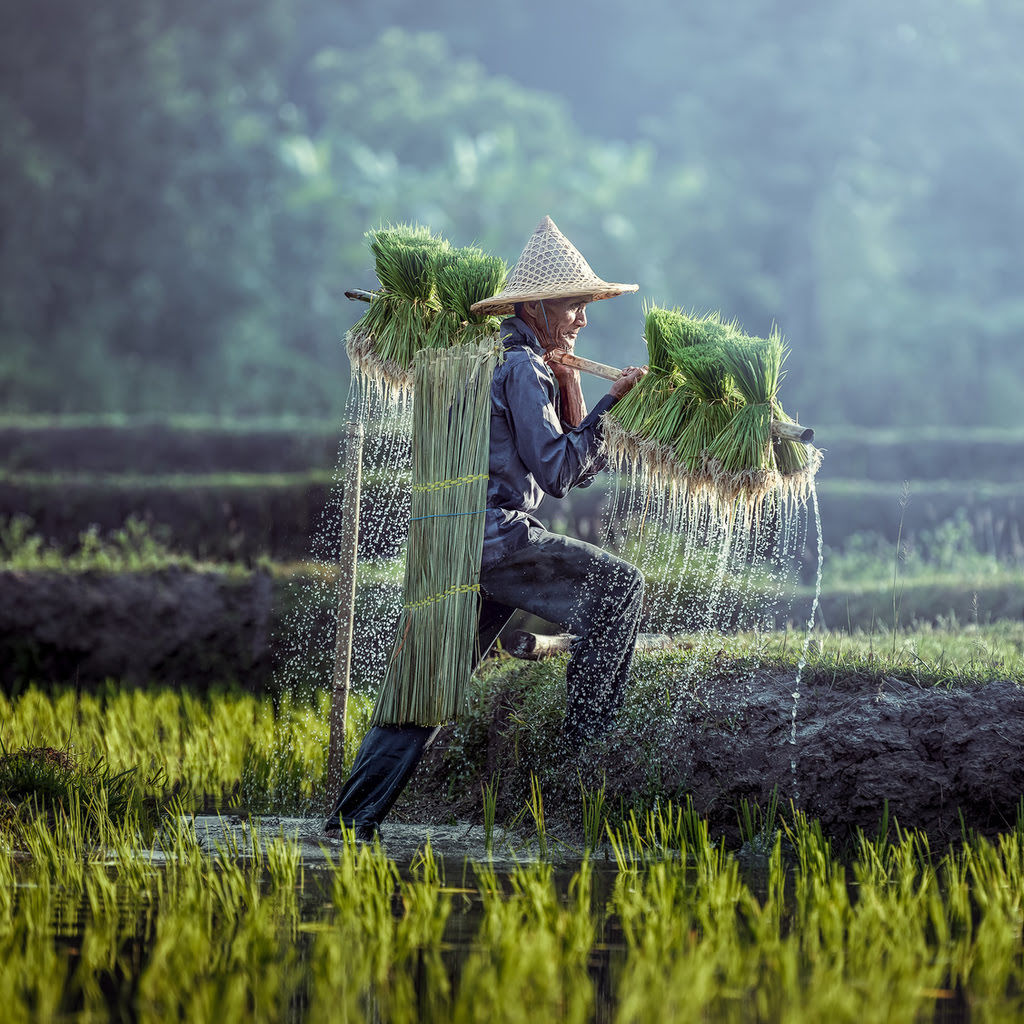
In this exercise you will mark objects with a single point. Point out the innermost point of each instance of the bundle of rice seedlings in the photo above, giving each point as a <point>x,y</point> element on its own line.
<point>431,661</point>
<point>426,292</point>
<point>626,429</point>
<point>746,450</point>
<point>714,403</point>
<point>462,277</point>
<point>744,446</point>
<point>382,344</point>
<point>466,276</point>
<point>701,421</point>
<point>405,266</point>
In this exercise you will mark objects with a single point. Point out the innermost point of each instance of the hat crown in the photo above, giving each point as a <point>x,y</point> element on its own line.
<point>550,267</point>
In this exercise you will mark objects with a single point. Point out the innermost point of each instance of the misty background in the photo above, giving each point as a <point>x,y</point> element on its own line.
<point>186,187</point>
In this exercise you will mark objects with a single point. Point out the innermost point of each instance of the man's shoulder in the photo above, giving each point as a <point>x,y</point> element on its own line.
<point>522,365</point>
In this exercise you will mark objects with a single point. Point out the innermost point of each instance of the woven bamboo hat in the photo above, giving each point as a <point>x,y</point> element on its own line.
<point>550,267</point>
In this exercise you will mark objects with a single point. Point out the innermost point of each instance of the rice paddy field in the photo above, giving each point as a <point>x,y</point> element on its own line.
<point>784,826</point>
<point>672,928</point>
<point>112,905</point>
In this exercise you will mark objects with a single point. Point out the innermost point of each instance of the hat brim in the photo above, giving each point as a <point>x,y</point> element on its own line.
<point>504,302</point>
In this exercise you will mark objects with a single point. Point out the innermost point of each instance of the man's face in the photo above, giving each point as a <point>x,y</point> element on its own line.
<point>566,318</point>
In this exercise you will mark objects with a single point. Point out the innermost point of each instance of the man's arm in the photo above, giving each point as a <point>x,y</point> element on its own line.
<point>558,460</point>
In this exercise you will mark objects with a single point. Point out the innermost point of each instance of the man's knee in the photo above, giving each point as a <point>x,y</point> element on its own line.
<point>628,580</point>
<point>618,594</point>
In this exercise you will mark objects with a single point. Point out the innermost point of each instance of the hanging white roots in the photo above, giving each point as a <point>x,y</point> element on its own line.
<point>727,494</point>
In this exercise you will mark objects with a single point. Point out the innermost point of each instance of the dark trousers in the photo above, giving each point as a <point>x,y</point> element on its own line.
<point>593,594</point>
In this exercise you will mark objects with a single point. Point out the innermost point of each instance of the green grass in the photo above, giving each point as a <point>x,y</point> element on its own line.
<point>924,655</point>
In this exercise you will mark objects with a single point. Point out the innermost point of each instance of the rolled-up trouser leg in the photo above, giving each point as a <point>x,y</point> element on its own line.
<point>386,759</point>
<point>595,596</point>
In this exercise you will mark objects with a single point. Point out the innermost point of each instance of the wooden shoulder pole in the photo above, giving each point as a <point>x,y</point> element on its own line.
<point>348,557</point>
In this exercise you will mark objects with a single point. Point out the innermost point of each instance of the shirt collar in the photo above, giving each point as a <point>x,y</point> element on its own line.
<point>514,332</point>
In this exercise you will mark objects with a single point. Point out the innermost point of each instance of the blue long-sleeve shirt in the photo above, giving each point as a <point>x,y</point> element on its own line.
<point>531,454</point>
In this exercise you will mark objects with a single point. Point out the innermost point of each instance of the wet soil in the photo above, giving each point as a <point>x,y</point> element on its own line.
<point>941,759</point>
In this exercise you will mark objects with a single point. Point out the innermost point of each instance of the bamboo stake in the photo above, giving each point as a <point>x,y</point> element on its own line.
<point>348,557</point>
<point>785,431</point>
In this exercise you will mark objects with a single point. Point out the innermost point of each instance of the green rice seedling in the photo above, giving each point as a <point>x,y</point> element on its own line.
<point>530,957</point>
<point>662,329</point>
<point>665,331</point>
<point>464,276</point>
<point>686,937</point>
<point>446,329</point>
<point>419,934</point>
<point>535,802</point>
<point>757,826</point>
<point>228,939</point>
<point>489,793</point>
<point>665,425</point>
<point>405,266</point>
<point>100,948</point>
<point>352,960</point>
<point>404,259</point>
<point>33,973</point>
<point>278,779</point>
<point>395,325</point>
<point>594,820</point>
<point>7,877</point>
<point>642,402</point>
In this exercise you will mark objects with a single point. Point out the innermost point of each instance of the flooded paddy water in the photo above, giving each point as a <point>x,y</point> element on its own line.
<point>232,919</point>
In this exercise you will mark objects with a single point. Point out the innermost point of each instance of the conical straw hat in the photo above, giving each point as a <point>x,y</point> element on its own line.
<point>550,267</point>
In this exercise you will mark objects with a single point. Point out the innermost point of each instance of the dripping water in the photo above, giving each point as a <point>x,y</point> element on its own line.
<point>807,638</point>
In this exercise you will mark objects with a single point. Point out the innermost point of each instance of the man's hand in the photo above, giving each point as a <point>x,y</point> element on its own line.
<point>630,376</point>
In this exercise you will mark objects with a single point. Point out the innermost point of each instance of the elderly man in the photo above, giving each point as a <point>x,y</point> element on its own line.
<point>543,441</point>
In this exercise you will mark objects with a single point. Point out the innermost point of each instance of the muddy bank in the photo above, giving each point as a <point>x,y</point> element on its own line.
<point>173,626</point>
<point>183,628</point>
<point>933,754</point>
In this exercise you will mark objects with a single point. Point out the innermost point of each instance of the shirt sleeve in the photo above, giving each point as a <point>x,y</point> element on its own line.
<point>557,459</point>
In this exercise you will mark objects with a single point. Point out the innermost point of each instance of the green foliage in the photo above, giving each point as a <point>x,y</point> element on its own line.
<point>949,549</point>
<point>132,548</point>
<point>179,239</point>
